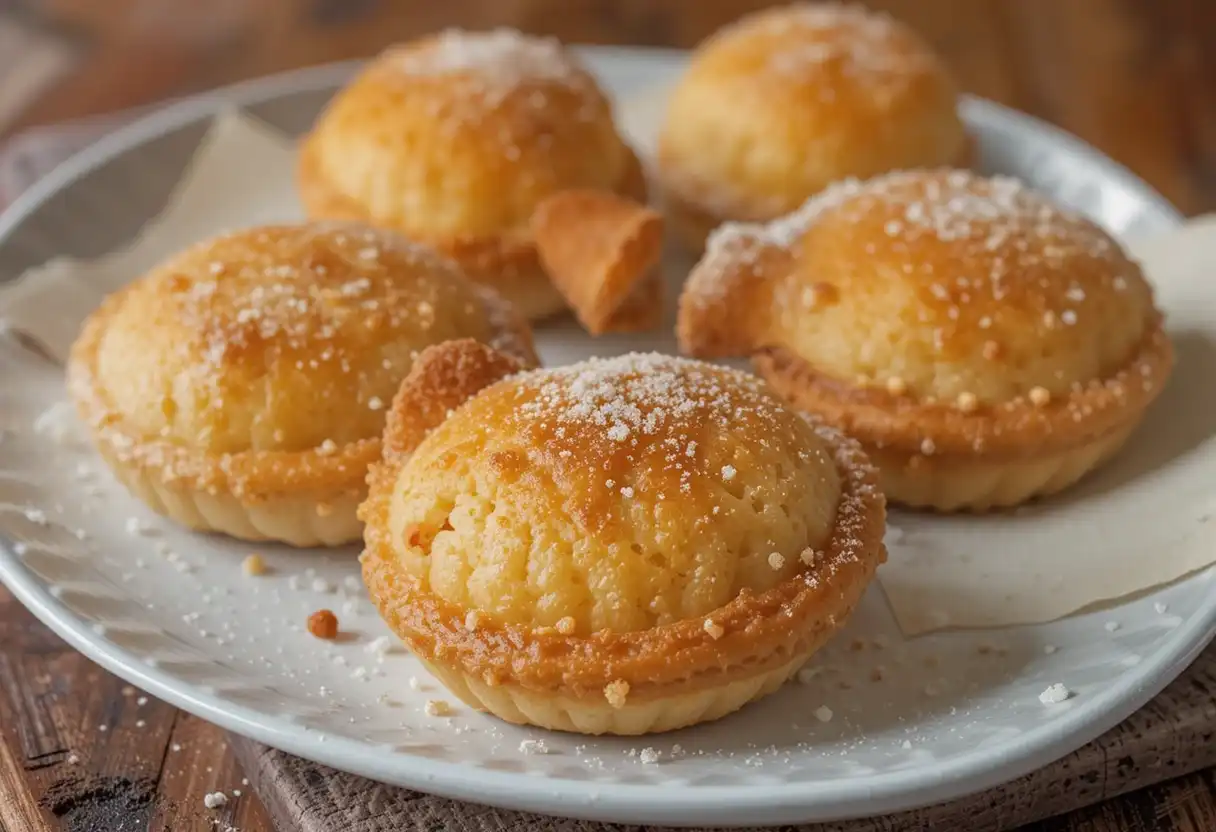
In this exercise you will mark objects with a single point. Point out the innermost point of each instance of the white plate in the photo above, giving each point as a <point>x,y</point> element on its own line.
<point>172,612</point>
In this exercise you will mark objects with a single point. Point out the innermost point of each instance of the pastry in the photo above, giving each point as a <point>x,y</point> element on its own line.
<point>622,546</point>
<point>785,101</point>
<point>241,386</point>
<point>983,344</point>
<point>602,252</point>
<point>455,139</point>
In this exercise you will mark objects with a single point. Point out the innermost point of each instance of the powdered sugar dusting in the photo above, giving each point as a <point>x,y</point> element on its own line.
<point>299,302</point>
<point>498,61</point>
<point>997,225</point>
<point>644,413</point>
<point>646,395</point>
<point>950,205</point>
<point>734,248</point>
<point>868,47</point>
<point>300,287</point>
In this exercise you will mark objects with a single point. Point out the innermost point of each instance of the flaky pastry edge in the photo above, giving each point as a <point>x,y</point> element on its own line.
<point>1015,429</point>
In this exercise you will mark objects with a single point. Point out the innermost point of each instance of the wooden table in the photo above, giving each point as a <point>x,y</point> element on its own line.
<point>82,751</point>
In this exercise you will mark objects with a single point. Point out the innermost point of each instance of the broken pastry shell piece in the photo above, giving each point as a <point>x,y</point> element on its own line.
<point>602,252</point>
<point>985,345</point>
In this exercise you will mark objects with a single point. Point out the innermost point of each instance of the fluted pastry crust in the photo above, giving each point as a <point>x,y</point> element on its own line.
<point>241,386</point>
<point>621,546</point>
<point>945,320</point>
<point>780,104</point>
<point>454,139</point>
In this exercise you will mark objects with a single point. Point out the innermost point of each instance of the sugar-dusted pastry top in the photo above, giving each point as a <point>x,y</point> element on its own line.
<point>936,285</point>
<point>781,103</point>
<point>461,134</point>
<point>281,339</point>
<point>617,494</point>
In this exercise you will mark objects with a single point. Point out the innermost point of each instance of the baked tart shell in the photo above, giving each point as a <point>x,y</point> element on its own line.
<point>630,683</point>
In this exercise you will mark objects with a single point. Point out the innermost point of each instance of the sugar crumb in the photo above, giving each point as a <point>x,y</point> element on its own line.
<point>617,693</point>
<point>438,708</point>
<point>807,674</point>
<point>531,747</point>
<point>253,565</point>
<point>1054,694</point>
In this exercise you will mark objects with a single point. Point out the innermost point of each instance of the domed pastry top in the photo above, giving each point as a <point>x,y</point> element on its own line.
<point>265,359</point>
<point>595,491</point>
<point>941,289</point>
<point>782,103</point>
<point>458,136</point>
<point>598,513</point>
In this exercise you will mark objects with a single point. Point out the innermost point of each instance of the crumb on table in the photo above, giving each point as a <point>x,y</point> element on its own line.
<point>323,624</point>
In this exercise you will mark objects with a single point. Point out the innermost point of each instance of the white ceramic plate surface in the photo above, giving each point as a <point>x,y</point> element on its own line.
<point>172,612</point>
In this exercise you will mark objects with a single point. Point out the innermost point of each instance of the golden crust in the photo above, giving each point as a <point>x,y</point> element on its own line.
<point>782,103</point>
<point>979,483</point>
<point>513,437</point>
<point>936,314</point>
<point>1013,429</point>
<point>602,252</point>
<point>257,367</point>
<point>455,139</point>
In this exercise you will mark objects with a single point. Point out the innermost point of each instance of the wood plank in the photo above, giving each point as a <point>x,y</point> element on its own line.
<point>1187,804</point>
<point>82,751</point>
<point>18,810</point>
<point>1108,71</point>
<point>201,762</point>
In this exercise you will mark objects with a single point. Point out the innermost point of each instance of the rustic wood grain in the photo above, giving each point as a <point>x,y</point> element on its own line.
<point>1137,78</point>
<point>82,751</point>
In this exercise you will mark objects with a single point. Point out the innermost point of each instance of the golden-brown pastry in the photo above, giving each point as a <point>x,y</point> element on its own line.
<point>242,385</point>
<point>622,546</point>
<point>985,345</point>
<point>602,252</point>
<point>454,140</point>
<point>783,102</point>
